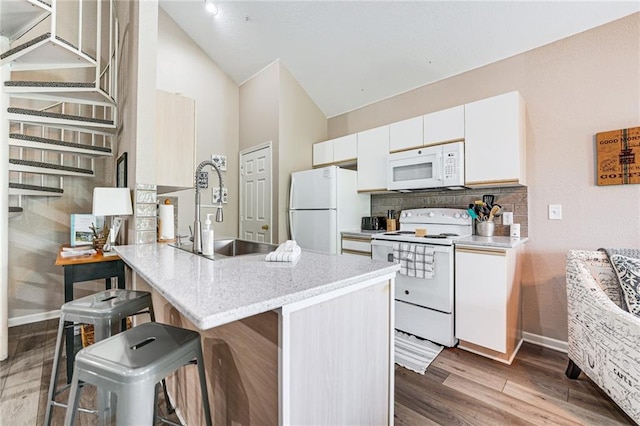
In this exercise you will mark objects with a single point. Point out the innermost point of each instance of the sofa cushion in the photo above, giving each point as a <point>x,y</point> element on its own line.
<point>628,271</point>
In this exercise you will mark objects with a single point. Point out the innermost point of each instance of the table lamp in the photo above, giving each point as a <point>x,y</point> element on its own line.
<point>114,202</point>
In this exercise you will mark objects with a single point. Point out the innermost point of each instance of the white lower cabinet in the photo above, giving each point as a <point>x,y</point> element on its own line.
<point>373,150</point>
<point>360,245</point>
<point>487,308</point>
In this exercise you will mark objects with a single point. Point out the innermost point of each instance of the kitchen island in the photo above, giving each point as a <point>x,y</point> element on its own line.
<point>307,342</point>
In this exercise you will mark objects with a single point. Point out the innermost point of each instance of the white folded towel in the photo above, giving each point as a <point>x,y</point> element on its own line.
<point>286,252</point>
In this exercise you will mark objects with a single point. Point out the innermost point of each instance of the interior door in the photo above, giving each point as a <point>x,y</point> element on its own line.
<point>255,194</point>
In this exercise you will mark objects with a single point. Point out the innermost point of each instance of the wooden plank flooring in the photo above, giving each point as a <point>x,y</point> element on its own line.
<point>459,388</point>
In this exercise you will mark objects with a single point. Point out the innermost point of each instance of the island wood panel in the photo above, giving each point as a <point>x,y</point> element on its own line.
<point>337,359</point>
<point>241,363</point>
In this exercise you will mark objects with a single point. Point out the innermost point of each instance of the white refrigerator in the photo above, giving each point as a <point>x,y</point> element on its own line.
<point>322,203</point>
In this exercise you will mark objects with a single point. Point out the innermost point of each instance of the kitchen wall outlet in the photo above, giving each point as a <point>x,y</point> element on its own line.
<point>555,211</point>
<point>220,161</point>
<point>215,197</point>
<point>507,218</point>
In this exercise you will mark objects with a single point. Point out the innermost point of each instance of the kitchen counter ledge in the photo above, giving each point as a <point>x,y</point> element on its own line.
<point>498,242</point>
<point>212,293</point>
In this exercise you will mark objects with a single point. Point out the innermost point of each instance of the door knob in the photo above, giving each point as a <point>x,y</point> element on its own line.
<point>265,227</point>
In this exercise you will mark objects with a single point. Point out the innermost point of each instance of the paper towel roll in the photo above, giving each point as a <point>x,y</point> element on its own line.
<point>165,222</point>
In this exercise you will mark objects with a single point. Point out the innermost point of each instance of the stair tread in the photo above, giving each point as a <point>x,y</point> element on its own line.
<point>71,84</point>
<point>49,166</point>
<point>37,40</point>
<point>35,187</point>
<point>37,113</point>
<point>58,142</point>
<point>13,209</point>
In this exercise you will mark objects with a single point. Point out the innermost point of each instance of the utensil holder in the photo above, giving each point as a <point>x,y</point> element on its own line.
<point>485,228</point>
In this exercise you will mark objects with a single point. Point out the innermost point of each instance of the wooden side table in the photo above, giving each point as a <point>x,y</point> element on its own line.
<point>87,268</point>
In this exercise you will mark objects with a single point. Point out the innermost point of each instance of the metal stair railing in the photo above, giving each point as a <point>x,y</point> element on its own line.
<point>85,54</point>
<point>53,117</point>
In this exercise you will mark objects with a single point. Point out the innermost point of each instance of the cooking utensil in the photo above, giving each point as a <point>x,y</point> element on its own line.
<point>472,213</point>
<point>488,199</point>
<point>493,212</point>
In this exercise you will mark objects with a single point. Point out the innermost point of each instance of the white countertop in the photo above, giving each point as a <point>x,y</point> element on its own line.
<point>501,242</point>
<point>361,232</point>
<point>211,293</point>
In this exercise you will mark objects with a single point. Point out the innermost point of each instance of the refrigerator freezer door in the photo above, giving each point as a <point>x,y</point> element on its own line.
<point>315,229</point>
<point>314,189</point>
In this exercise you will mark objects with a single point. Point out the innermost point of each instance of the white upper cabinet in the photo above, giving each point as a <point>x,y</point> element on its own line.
<point>335,151</point>
<point>323,153</point>
<point>176,141</point>
<point>373,149</point>
<point>405,134</point>
<point>444,126</point>
<point>495,135</point>
<point>345,149</point>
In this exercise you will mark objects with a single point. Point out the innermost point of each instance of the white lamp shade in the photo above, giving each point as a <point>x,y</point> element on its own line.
<point>112,202</point>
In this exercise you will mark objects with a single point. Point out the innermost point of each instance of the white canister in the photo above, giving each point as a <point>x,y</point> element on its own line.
<point>515,230</point>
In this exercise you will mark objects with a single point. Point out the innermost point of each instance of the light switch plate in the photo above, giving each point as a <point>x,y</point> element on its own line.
<point>507,218</point>
<point>220,161</point>
<point>555,211</point>
<point>216,195</point>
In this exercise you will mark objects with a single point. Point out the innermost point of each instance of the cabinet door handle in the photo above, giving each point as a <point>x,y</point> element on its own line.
<point>265,227</point>
<point>406,292</point>
<point>390,257</point>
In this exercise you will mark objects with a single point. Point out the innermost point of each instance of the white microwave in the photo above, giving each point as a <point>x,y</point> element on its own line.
<point>439,166</point>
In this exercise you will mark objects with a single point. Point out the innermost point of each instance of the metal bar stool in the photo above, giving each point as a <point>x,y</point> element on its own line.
<point>104,310</point>
<point>131,364</point>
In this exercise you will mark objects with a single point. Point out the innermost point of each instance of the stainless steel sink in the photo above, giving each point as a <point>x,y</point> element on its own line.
<point>230,247</point>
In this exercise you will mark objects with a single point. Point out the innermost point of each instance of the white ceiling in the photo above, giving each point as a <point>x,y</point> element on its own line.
<point>347,54</point>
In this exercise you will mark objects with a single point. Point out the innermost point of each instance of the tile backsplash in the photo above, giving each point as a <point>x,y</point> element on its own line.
<point>512,199</point>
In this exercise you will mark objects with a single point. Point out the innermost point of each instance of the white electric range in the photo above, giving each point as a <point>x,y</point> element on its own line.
<point>425,306</point>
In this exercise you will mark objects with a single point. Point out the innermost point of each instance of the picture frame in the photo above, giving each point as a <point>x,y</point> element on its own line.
<point>121,171</point>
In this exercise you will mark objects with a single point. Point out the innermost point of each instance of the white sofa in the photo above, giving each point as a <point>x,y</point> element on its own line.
<point>604,339</point>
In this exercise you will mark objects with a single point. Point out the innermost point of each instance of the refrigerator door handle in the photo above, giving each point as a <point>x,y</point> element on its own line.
<point>293,237</point>
<point>293,182</point>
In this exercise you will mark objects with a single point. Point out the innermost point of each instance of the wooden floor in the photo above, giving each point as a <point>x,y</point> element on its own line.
<point>459,388</point>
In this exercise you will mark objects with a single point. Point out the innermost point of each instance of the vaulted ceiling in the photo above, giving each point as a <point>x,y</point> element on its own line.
<point>347,54</point>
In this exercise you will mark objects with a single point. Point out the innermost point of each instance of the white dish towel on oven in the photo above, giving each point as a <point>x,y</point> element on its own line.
<point>416,260</point>
<point>286,252</point>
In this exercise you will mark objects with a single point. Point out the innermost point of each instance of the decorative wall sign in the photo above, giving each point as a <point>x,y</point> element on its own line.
<point>121,171</point>
<point>618,156</point>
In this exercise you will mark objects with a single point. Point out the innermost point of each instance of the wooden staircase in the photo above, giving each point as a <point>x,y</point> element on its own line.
<point>61,91</point>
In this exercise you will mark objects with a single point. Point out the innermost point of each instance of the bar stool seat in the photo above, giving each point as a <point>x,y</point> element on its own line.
<point>104,310</point>
<point>131,364</point>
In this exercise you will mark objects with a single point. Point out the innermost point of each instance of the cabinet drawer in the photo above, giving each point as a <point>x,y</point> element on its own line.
<point>356,246</point>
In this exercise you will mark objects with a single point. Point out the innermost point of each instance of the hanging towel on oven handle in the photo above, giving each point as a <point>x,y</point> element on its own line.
<point>416,260</point>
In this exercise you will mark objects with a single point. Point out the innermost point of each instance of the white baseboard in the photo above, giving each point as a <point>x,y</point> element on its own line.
<point>28,319</point>
<point>546,342</point>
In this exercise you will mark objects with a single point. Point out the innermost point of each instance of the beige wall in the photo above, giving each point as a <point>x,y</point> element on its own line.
<point>184,68</point>
<point>274,107</point>
<point>301,125</point>
<point>573,88</point>
<point>258,108</point>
